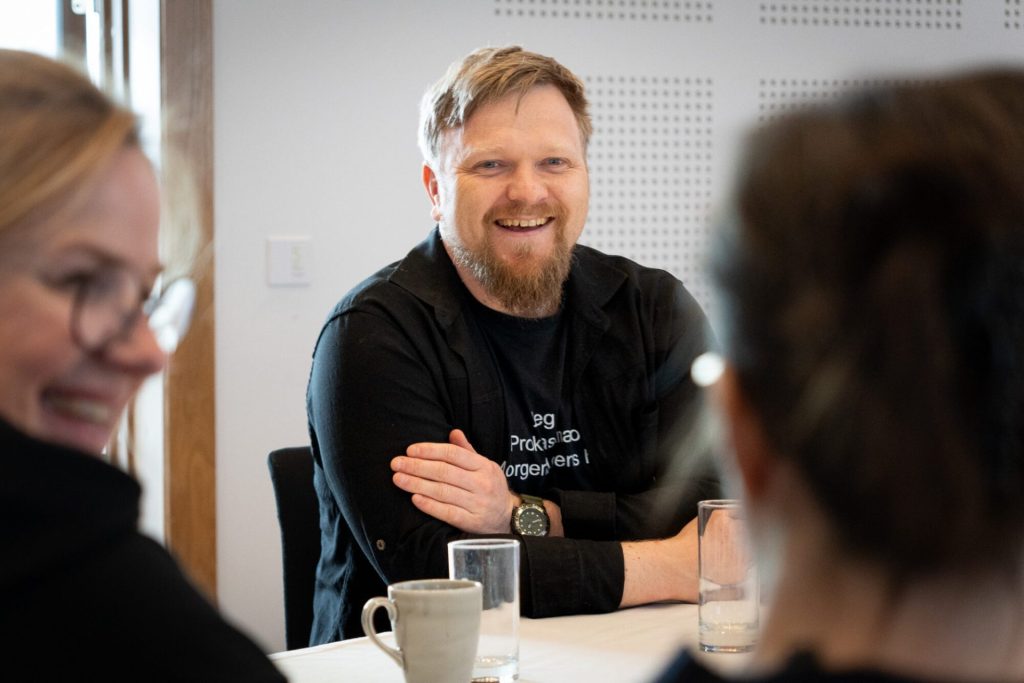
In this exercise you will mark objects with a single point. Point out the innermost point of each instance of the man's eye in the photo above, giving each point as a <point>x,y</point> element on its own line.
<point>488,165</point>
<point>554,161</point>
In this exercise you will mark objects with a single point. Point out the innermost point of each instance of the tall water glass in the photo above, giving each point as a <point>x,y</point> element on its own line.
<point>729,605</point>
<point>495,564</point>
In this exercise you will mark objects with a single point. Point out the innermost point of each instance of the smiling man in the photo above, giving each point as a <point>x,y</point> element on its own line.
<point>509,195</point>
<point>501,379</point>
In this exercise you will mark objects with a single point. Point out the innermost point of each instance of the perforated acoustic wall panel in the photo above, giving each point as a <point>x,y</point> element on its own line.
<point>1014,15</point>
<point>651,161</point>
<point>780,96</point>
<point>608,10</point>
<point>884,14</point>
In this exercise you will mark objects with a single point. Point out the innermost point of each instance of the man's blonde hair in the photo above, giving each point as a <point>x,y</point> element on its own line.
<point>487,75</point>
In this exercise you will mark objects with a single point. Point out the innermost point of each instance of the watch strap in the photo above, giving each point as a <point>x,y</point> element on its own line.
<point>532,500</point>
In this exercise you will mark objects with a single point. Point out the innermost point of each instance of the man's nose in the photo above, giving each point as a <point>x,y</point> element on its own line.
<point>527,186</point>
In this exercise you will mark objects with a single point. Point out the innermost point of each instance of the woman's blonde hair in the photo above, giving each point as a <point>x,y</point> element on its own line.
<point>56,130</point>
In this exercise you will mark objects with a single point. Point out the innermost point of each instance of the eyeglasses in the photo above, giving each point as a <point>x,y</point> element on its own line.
<point>106,307</point>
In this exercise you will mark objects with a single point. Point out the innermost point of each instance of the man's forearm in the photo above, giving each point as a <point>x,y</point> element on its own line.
<point>661,570</point>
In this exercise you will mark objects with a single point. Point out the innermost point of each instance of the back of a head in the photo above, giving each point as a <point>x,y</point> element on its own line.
<point>56,130</point>
<point>487,75</point>
<point>871,282</point>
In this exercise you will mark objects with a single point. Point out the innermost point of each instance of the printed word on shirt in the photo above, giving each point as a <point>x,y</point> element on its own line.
<point>548,447</point>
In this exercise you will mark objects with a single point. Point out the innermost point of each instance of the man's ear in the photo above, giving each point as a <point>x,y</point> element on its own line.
<point>430,183</point>
<point>755,460</point>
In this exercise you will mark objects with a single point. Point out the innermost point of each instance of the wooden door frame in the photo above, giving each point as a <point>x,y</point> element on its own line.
<point>186,56</point>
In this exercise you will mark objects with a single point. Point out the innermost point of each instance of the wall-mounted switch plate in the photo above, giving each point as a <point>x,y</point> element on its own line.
<point>289,261</point>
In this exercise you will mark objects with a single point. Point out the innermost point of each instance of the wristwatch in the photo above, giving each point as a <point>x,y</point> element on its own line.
<point>529,518</point>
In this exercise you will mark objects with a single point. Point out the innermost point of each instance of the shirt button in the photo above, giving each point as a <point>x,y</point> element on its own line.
<point>380,544</point>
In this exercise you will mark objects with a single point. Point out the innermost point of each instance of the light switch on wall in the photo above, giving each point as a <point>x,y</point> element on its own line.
<point>289,261</point>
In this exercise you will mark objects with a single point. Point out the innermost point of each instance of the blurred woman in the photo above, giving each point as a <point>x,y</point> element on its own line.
<point>83,596</point>
<point>871,300</point>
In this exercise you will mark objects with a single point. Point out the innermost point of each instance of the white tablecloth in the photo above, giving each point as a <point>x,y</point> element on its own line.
<point>625,646</point>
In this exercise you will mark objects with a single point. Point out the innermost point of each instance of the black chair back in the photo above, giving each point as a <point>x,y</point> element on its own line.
<point>291,471</point>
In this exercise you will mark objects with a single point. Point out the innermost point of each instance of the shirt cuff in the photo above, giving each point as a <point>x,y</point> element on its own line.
<point>587,514</point>
<point>570,576</point>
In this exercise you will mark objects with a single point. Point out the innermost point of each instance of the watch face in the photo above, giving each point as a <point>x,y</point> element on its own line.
<point>531,522</point>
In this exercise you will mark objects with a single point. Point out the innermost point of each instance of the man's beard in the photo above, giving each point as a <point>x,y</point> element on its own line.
<point>522,285</point>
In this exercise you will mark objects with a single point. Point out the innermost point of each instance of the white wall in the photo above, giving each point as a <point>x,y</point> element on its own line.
<point>29,26</point>
<point>315,117</point>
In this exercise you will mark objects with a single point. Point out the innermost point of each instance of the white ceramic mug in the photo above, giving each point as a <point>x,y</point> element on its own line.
<point>436,624</point>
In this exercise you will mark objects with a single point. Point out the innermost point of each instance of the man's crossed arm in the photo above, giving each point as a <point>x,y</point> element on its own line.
<point>455,484</point>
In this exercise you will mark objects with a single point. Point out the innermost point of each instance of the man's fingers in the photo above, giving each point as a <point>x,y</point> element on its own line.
<point>433,470</point>
<point>438,490</point>
<point>458,438</point>
<point>455,484</point>
<point>449,514</point>
<point>450,453</point>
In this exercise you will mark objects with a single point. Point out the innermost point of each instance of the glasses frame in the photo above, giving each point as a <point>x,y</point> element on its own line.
<point>167,310</point>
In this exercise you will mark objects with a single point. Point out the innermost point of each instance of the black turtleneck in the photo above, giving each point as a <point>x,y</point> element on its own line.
<point>85,596</point>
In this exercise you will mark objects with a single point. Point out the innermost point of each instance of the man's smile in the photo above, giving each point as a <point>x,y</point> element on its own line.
<point>523,224</point>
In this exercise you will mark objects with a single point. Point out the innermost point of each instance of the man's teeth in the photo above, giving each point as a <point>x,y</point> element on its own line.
<point>522,223</point>
<point>82,409</point>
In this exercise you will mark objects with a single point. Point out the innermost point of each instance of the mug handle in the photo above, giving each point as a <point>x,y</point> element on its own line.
<point>371,606</point>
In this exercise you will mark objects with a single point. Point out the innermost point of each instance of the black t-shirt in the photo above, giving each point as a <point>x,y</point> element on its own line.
<point>544,448</point>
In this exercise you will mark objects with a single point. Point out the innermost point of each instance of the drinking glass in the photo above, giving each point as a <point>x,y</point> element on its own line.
<point>729,605</point>
<point>495,564</point>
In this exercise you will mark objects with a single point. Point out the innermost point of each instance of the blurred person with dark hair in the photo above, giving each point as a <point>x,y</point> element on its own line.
<point>871,280</point>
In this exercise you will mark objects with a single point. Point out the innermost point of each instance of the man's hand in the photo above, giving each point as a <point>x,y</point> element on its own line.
<point>661,570</point>
<point>725,557</point>
<point>453,483</point>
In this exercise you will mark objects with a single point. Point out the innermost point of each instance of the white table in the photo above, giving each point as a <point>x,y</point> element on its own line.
<point>624,646</point>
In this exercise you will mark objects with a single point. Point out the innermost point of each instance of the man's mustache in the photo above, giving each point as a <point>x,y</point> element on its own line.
<point>516,209</point>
